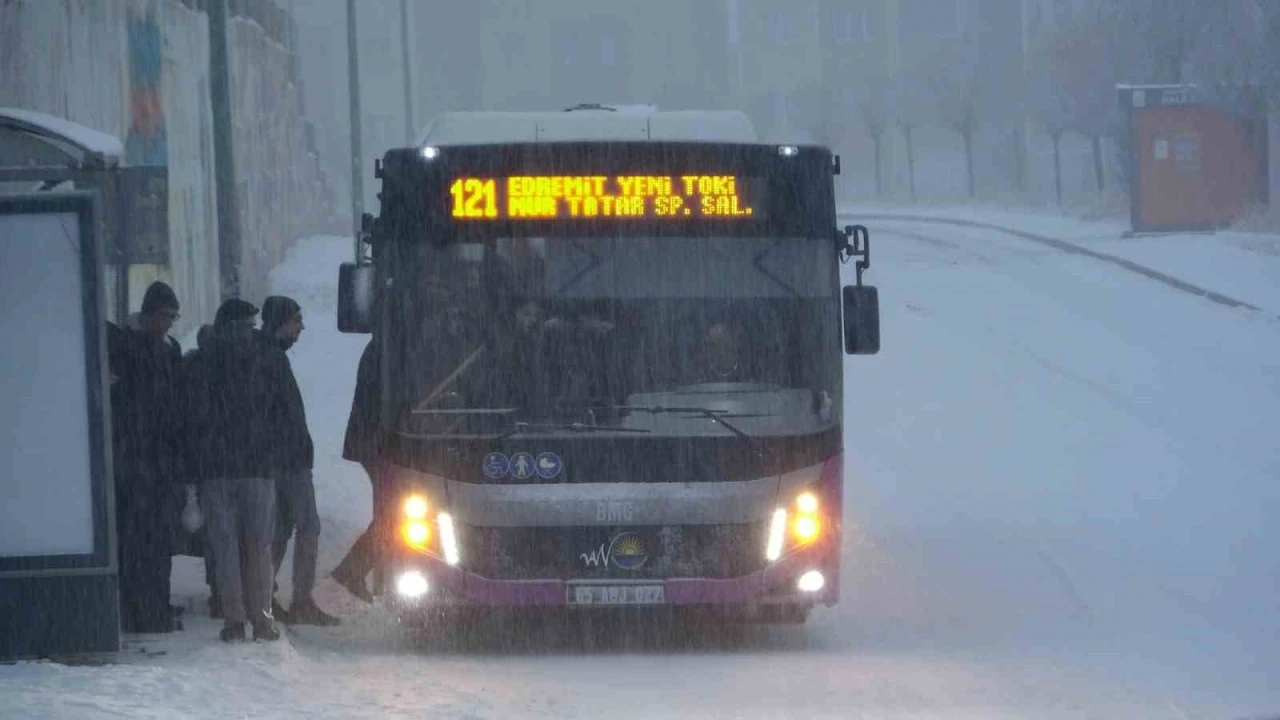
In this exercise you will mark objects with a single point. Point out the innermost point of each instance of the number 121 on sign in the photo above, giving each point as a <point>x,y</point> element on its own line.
<point>473,198</point>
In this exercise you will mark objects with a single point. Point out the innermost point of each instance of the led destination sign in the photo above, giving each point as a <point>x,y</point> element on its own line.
<point>551,197</point>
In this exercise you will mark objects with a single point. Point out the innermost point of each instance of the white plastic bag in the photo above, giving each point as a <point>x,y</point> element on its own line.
<point>192,515</point>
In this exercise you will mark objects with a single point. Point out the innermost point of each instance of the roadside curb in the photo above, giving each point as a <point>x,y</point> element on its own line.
<point>1071,248</point>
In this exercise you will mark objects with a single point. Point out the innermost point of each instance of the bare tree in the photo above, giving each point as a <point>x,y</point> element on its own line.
<point>1234,52</point>
<point>873,103</point>
<point>951,75</point>
<point>1048,94</point>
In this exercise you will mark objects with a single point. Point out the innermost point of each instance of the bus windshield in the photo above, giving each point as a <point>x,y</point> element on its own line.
<point>553,335</point>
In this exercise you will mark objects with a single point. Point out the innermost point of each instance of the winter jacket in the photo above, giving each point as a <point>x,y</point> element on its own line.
<point>293,437</point>
<point>240,394</point>
<point>145,406</point>
<point>363,443</point>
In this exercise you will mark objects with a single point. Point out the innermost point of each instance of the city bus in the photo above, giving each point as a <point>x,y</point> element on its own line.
<point>611,363</point>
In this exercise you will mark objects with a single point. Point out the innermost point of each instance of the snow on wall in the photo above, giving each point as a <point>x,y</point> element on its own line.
<point>139,70</point>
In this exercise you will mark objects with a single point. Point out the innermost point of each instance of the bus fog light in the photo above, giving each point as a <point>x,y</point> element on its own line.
<point>411,584</point>
<point>811,582</point>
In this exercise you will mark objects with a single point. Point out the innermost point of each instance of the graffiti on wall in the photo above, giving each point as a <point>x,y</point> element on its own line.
<point>146,142</point>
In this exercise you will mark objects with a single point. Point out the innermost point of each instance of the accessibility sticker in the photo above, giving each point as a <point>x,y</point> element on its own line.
<point>496,465</point>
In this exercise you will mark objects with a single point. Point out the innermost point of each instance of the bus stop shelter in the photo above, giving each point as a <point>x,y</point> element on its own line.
<point>1193,164</point>
<point>63,198</point>
<point>45,153</point>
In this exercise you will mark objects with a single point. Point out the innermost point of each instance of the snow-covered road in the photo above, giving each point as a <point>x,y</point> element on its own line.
<point>1061,487</point>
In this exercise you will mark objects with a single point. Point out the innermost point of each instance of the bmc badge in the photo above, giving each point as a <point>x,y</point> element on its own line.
<point>627,551</point>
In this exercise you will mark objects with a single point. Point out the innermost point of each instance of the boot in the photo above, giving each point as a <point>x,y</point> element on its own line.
<point>265,631</point>
<point>232,633</point>
<point>278,612</point>
<point>353,585</point>
<point>306,612</point>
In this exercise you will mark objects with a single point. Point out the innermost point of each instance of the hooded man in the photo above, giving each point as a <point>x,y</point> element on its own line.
<point>146,364</point>
<point>241,392</point>
<point>295,490</point>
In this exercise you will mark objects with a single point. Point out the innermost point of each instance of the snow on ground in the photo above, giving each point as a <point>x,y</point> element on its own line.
<point>1059,484</point>
<point>1242,265</point>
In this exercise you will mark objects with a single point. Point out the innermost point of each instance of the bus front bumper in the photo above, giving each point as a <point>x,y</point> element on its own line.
<point>805,577</point>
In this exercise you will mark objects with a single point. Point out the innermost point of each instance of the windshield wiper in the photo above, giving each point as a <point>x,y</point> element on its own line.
<point>717,416</point>
<point>520,428</point>
<point>465,411</point>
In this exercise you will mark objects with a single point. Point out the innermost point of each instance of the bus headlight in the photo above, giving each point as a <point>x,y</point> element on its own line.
<point>806,527</point>
<point>807,502</point>
<point>417,533</point>
<point>415,507</point>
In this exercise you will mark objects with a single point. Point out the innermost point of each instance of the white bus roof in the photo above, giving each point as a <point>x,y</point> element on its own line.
<point>640,122</point>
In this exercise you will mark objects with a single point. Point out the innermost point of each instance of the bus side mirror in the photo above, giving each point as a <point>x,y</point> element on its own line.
<point>355,298</point>
<point>861,320</point>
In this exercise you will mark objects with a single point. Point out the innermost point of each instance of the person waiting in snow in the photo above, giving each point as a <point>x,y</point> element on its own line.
<point>242,391</point>
<point>200,538</point>
<point>295,488</point>
<point>145,363</point>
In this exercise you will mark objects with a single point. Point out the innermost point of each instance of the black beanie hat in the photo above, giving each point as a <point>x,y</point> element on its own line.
<point>232,310</point>
<point>159,297</point>
<point>276,311</point>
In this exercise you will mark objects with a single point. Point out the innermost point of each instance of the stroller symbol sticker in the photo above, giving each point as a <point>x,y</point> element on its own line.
<point>522,466</point>
<point>549,465</point>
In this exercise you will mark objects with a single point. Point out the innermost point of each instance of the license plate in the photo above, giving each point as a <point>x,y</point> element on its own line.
<point>617,594</point>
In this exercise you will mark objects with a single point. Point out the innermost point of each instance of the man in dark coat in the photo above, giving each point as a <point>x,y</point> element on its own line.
<point>190,361</point>
<point>295,489</point>
<point>363,444</point>
<point>242,390</point>
<point>145,365</point>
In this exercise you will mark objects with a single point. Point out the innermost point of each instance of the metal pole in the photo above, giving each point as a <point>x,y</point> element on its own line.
<point>408,74</point>
<point>229,251</point>
<point>353,90</point>
<point>1024,139</point>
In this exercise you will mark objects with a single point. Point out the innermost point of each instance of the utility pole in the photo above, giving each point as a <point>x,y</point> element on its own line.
<point>1024,137</point>
<point>893,36</point>
<point>353,91</point>
<point>734,32</point>
<point>224,174</point>
<point>408,73</point>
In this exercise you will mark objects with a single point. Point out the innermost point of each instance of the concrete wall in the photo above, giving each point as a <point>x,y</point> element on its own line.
<point>138,70</point>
